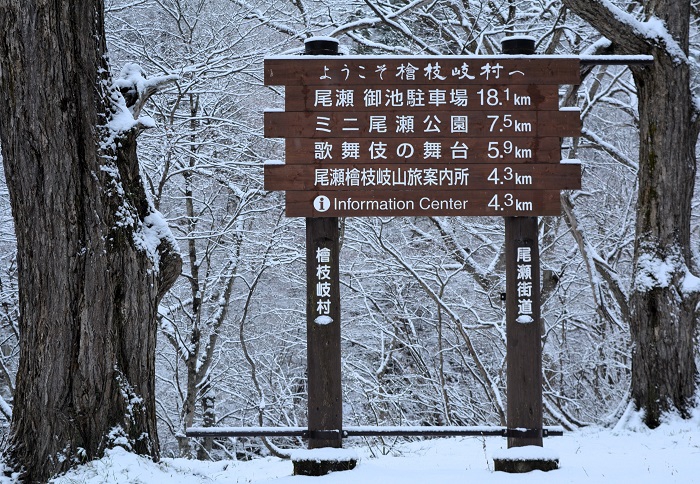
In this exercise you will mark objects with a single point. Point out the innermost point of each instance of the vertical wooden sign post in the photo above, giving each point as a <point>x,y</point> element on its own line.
<point>523,328</point>
<point>325,403</point>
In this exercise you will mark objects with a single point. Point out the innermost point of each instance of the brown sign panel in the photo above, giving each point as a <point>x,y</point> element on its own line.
<point>425,202</point>
<point>390,70</point>
<point>422,150</point>
<point>440,177</point>
<point>446,97</point>
<point>404,124</point>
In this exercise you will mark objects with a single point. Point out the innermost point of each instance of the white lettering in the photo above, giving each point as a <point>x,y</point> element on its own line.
<point>426,203</point>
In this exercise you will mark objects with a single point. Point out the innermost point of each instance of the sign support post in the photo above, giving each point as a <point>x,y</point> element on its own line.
<point>325,400</point>
<point>523,330</point>
<point>523,327</point>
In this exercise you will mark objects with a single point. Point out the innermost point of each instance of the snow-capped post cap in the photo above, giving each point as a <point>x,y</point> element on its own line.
<point>518,44</point>
<point>321,46</point>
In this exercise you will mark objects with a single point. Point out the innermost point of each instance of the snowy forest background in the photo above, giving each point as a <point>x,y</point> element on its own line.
<point>423,323</point>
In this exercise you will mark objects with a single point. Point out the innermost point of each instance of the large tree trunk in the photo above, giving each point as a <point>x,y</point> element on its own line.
<point>93,260</point>
<point>662,303</point>
<point>664,293</point>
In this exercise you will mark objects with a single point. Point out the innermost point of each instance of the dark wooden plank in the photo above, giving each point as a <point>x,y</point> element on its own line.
<point>388,70</point>
<point>451,97</point>
<point>281,124</point>
<point>523,329</point>
<point>425,202</point>
<point>388,177</point>
<point>325,399</point>
<point>413,150</point>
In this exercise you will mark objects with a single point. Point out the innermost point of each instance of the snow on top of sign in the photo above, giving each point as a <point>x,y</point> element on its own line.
<point>617,58</point>
<point>321,38</point>
<point>518,37</point>
<point>571,161</point>
<point>274,162</point>
<point>524,319</point>
<point>294,54</point>
<point>417,57</point>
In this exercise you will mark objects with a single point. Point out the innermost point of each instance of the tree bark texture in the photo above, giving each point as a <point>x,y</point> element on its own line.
<point>662,303</point>
<point>89,291</point>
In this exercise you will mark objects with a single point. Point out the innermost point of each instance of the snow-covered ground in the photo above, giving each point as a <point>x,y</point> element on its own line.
<point>669,454</point>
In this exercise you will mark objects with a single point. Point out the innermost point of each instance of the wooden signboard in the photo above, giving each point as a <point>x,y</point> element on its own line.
<point>307,151</point>
<point>422,202</point>
<point>417,70</point>
<point>447,97</point>
<point>405,136</point>
<point>401,177</point>
<point>400,124</point>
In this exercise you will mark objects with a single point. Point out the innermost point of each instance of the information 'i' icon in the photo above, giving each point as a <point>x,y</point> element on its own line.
<point>322,203</point>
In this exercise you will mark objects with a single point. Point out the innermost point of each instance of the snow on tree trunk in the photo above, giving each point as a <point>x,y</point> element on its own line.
<point>94,258</point>
<point>664,293</point>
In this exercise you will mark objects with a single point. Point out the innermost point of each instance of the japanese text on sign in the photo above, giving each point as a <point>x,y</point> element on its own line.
<point>524,283</point>
<point>388,70</point>
<point>323,286</point>
<point>430,71</point>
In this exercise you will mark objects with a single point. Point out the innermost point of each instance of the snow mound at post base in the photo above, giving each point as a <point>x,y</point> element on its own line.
<point>525,459</point>
<point>319,462</point>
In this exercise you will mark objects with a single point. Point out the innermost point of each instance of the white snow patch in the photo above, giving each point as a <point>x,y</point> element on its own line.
<point>653,272</point>
<point>323,320</point>
<point>691,283</point>
<point>653,30</point>
<point>618,58</point>
<point>133,77</point>
<point>696,104</point>
<point>146,121</point>
<point>327,454</point>
<point>322,38</point>
<point>117,436</point>
<point>113,172</point>
<point>601,43</point>
<point>524,319</point>
<point>416,58</point>
<point>518,37</point>
<point>133,80</point>
<point>125,216</point>
<point>5,408</point>
<point>667,454</point>
<point>528,452</point>
<point>150,235</point>
<point>121,120</point>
